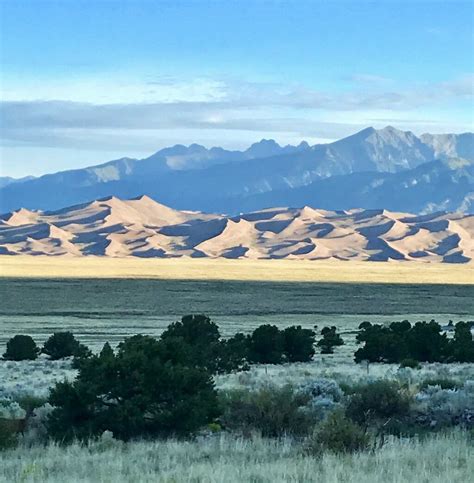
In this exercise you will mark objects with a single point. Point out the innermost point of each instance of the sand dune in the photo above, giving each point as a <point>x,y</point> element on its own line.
<point>143,228</point>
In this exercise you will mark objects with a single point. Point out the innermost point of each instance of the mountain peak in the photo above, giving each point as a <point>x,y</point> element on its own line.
<point>264,143</point>
<point>221,180</point>
<point>263,149</point>
<point>391,129</point>
<point>365,132</point>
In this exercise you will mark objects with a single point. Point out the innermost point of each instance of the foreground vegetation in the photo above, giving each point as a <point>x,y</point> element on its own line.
<point>228,459</point>
<point>177,392</point>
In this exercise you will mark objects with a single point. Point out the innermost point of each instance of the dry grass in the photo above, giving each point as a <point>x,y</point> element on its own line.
<point>221,269</point>
<point>228,459</point>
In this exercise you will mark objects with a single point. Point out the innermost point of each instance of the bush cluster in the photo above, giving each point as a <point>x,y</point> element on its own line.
<point>150,388</point>
<point>269,345</point>
<point>21,348</point>
<point>338,434</point>
<point>439,404</point>
<point>330,340</point>
<point>377,402</point>
<point>421,342</point>
<point>323,396</point>
<point>196,339</point>
<point>137,391</point>
<point>153,387</point>
<point>143,390</point>
<point>58,346</point>
<point>270,411</point>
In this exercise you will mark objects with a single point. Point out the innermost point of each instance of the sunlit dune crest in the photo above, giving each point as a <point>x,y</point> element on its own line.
<point>141,227</point>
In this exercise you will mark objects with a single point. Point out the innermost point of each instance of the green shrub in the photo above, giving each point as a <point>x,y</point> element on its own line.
<point>462,344</point>
<point>381,344</point>
<point>266,345</point>
<point>298,344</point>
<point>235,353</point>
<point>63,344</point>
<point>21,348</point>
<point>271,411</point>
<point>422,342</point>
<point>376,401</point>
<point>197,339</point>
<point>338,434</point>
<point>8,435</point>
<point>30,402</point>
<point>426,343</point>
<point>138,392</point>
<point>330,340</point>
<point>411,363</point>
<point>443,383</point>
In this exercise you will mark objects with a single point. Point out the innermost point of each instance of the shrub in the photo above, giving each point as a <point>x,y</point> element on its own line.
<point>323,395</point>
<point>442,383</point>
<point>298,344</point>
<point>36,426</point>
<point>322,388</point>
<point>63,344</point>
<point>138,392</point>
<point>11,410</point>
<point>270,411</point>
<point>11,423</point>
<point>375,401</point>
<point>266,345</point>
<point>330,339</point>
<point>426,343</point>
<point>338,434</point>
<point>30,402</point>
<point>196,330</point>
<point>20,348</point>
<point>381,344</point>
<point>436,407</point>
<point>422,342</point>
<point>411,363</point>
<point>235,353</point>
<point>197,339</point>
<point>462,345</point>
<point>8,435</point>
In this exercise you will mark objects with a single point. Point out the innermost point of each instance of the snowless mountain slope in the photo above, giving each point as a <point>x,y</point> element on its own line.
<point>193,177</point>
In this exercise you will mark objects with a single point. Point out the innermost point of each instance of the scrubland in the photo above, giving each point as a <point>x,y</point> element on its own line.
<point>440,450</point>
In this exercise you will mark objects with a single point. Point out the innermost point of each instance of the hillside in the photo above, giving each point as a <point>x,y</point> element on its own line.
<point>267,174</point>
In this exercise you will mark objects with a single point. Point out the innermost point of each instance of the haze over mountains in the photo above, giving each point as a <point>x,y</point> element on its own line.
<point>144,228</point>
<point>371,169</point>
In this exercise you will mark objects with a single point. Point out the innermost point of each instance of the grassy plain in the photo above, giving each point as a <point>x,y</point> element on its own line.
<point>97,310</point>
<point>222,269</point>
<point>109,299</point>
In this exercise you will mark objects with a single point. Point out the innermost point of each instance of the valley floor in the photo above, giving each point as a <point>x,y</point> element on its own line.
<point>223,269</point>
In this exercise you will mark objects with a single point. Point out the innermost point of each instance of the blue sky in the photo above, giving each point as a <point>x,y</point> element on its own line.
<point>88,81</point>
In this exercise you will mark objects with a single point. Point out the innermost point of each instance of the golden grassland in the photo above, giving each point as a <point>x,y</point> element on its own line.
<point>249,270</point>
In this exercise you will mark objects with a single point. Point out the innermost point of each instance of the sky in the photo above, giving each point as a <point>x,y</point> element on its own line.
<point>84,82</point>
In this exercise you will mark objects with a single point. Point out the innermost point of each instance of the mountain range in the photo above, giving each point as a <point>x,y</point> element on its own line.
<point>372,169</point>
<point>142,227</point>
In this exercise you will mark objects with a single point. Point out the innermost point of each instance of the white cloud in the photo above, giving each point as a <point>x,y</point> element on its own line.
<point>104,116</point>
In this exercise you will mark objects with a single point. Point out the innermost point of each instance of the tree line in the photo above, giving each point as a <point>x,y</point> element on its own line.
<point>420,342</point>
<point>153,387</point>
<point>197,339</point>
